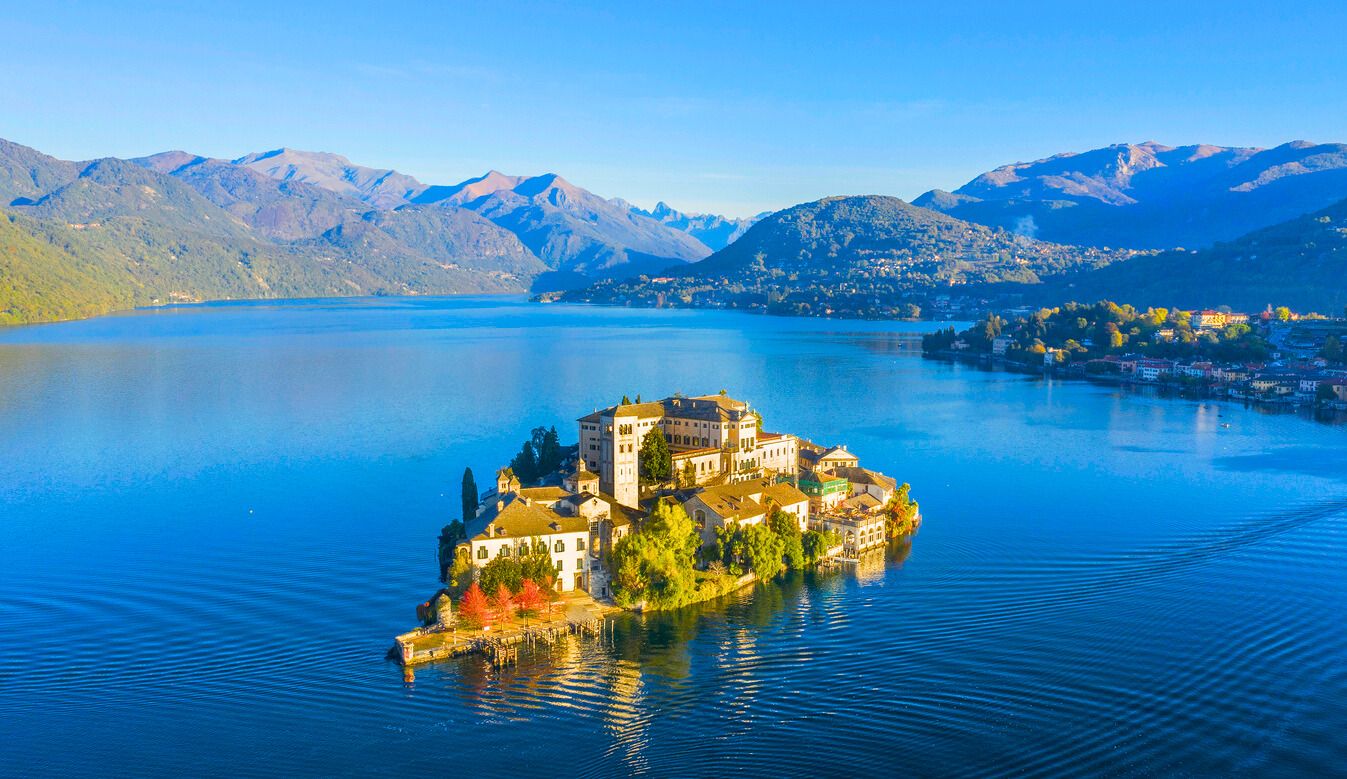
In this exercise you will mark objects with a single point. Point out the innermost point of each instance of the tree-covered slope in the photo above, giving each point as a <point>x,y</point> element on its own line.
<point>850,256</point>
<point>1301,263</point>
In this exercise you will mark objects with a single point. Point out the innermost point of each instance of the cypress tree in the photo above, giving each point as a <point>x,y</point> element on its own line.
<point>469,496</point>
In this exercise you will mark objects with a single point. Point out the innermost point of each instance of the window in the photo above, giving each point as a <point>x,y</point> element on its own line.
<point>579,544</point>
<point>560,546</point>
<point>700,516</point>
<point>579,563</point>
<point>559,564</point>
<point>482,553</point>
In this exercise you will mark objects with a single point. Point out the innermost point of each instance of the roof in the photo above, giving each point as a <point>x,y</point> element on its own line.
<point>785,494</point>
<point>731,507</point>
<point>523,518</point>
<point>864,501</point>
<point>547,494</point>
<point>866,476</point>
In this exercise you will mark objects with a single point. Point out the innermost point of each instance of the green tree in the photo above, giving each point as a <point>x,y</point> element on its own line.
<point>656,462</point>
<point>459,573</point>
<point>546,450</point>
<point>501,572</point>
<point>525,464</point>
<point>655,564</point>
<point>814,545</point>
<point>450,536</point>
<point>787,528</point>
<point>468,495</point>
<point>764,551</point>
<point>1282,313</point>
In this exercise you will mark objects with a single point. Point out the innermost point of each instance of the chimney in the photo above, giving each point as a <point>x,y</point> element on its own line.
<point>500,504</point>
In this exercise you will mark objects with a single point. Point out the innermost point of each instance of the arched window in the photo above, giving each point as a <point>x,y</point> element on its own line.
<point>559,546</point>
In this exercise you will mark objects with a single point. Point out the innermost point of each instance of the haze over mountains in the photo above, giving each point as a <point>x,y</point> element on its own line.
<point>1150,196</point>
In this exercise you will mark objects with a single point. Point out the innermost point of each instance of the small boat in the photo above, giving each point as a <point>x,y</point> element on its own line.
<point>1225,424</point>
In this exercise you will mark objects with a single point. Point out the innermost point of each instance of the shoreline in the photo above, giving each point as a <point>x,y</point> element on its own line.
<point>1337,411</point>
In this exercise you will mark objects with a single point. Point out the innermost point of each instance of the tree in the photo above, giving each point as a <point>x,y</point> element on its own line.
<point>501,572</point>
<point>815,546</point>
<point>655,564</point>
<point>1282,313</point>
<point>546,450</point>
<point>763,551</point>
<point>525,464</point>
<point>450,536</point>
<point>901,513</point>
<point>538,567</point>
<point>468,495</point>
<point>787,528</point>
<point>1333,350</point>
<point>656,462</point>
<point>473,608</point>
<point>503,603</point>
<point>530,599</point>
<point>459,574</point>
<point>688,476</point>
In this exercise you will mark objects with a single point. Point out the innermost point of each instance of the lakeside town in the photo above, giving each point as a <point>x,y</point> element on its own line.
<point>1276,358</point>
<point>660,504</point>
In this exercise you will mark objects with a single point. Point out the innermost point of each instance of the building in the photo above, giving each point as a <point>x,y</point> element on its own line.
<point>1000,344</point>
<point>825,489</point>
<point>744,504</point>
<point>712,437</point>
<point>518,526</point>
<point>1215,320</point>
<point>860,530</point>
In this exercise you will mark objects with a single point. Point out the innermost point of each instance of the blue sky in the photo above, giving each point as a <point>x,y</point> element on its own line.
<point>725,107</point>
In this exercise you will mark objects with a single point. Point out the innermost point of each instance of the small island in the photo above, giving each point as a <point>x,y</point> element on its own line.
<point>659,505</point>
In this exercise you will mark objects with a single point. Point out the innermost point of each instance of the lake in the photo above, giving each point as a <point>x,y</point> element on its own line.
<point>216,517</point>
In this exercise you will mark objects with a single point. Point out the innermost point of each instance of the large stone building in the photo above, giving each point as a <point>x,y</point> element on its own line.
<point>714,439</point>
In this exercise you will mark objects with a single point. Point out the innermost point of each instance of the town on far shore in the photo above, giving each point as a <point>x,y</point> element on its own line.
<point>1274,358</point>
<point>659,504</point>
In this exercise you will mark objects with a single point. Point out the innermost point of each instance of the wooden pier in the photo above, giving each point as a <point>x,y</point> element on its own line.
<point>574,614</point>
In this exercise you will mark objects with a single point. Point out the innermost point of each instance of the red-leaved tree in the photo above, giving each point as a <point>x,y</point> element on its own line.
<point>473,608</point>
<point>530,598</point>
<point>503,603</point>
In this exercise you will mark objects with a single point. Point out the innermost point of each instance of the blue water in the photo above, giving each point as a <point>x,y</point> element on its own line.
<point>215,518</point>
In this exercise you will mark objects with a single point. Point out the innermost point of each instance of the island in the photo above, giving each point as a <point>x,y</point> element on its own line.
<point>659,504</point>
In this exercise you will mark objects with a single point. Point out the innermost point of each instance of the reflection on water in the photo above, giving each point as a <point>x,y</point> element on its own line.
<point>223,513</point>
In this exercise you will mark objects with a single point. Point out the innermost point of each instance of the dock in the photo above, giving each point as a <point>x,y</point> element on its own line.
<point>575,613</point>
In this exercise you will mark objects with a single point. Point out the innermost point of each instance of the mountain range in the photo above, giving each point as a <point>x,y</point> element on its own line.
<point>1151,196</point>
<point>1259,226</point>
<point>855,256</point>
<point>181,226</point>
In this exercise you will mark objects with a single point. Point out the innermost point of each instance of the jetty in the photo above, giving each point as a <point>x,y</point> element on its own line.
<point>574,613</point>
